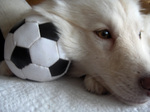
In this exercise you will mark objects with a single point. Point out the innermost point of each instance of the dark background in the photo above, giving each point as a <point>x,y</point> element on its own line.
<point>1,46</point>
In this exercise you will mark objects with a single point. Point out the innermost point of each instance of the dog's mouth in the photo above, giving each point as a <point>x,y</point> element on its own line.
<point>131,101</point>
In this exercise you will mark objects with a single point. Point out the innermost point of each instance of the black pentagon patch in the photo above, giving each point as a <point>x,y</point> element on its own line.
<point>21,57</point>
<point>49,31</point>
<point>59,67</point>
<point>17,26</point>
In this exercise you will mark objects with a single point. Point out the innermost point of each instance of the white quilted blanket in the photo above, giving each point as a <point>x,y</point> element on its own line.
<point>62,95</point>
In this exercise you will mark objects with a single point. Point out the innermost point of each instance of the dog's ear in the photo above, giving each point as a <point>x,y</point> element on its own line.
<point>145,6</point>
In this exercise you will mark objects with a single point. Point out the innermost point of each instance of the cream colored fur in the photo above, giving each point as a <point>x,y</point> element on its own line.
<point>115,64</point>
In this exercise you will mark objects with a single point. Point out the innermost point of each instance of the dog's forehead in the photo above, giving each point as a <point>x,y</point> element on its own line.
<point>112,12</point>
<point>89,14</point>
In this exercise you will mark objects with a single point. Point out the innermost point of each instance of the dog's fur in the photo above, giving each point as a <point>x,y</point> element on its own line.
<point>114,64</point>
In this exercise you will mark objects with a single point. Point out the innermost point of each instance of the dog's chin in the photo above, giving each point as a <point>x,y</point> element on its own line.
<point>131,101</point>
<point>132,98</point>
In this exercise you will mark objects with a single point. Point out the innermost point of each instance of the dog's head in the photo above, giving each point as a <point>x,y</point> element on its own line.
<point>104,38</point>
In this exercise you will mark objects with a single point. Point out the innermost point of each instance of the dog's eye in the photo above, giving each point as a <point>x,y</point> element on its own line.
<point>104,34</point>
<point>140,35</point>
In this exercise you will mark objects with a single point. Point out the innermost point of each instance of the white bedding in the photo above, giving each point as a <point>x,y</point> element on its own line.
<point>63,95</point>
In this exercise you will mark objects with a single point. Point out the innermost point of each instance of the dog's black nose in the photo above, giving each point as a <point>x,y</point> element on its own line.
<point>145,83</point>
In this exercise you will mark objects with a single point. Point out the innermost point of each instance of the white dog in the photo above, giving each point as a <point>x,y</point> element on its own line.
<point>107,40</point>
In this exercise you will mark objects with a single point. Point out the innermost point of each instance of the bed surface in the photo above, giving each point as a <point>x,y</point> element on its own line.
<point>63,95</point>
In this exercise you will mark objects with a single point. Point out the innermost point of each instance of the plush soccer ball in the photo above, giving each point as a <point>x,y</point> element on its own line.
<point>33,50</point>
